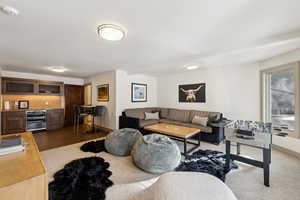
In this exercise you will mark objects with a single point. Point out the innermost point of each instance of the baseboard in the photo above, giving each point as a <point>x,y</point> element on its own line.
<point>288,151</point>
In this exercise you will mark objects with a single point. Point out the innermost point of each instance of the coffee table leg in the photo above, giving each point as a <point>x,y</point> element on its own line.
<point>238,148</point>
<point>199,139</point>
<point>266,161</point>
<point>228,146</point>
<point>184,147</point>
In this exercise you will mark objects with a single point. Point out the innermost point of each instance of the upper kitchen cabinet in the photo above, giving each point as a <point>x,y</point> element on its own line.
<point>18,86</point>
<point>31,87</point>
<point>50,88</point>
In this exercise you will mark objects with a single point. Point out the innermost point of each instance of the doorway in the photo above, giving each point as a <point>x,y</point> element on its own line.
<point>74,95</point>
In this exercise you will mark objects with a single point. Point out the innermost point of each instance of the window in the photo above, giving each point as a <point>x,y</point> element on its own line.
<point>282,99</point>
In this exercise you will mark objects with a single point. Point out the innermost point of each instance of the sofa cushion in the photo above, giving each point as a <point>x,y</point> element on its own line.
<point>138,112</point>
<point>163,112</point>
<point>149,116</point>
<point>179,115</point>
<point>168,121</point>
<point>149,122</point>
<point>200,120</point>
<point>194,113</point>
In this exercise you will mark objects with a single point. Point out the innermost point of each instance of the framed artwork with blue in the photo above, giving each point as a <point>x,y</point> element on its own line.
<point>138,92</point>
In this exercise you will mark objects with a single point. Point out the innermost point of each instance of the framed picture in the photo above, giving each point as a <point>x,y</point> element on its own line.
<point>192,93</point>
<point>23,104</point>
<point>103,92</point>
<point>138,92</point>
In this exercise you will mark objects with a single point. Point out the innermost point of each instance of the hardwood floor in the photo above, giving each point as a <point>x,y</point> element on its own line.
<point>62,137</point>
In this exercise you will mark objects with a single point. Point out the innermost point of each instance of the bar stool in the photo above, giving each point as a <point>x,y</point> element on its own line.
<point>99,112</point>
<point>78,114</point>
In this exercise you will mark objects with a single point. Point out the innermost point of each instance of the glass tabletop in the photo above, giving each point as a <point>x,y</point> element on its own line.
<point>261,133</point>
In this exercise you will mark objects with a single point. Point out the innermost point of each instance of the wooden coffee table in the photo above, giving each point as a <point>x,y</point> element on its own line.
<point>181,133</point>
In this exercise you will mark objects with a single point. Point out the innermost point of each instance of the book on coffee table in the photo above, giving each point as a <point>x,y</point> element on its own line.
<point>11,144</point>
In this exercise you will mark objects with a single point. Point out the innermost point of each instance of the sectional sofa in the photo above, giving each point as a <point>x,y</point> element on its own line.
<point>213,132</point>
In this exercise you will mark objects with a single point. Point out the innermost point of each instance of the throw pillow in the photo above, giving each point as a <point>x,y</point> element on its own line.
<point>200,120</point>
<point>149,116</point>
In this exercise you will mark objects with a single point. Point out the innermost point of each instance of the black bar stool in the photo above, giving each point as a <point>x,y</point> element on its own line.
<point>99,112</point>
<point>78,114</point>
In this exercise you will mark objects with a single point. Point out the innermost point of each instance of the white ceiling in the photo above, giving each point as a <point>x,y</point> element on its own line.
<point>162,35</point>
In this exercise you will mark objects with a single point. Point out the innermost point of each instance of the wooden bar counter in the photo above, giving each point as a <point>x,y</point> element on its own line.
<point>23,175</point>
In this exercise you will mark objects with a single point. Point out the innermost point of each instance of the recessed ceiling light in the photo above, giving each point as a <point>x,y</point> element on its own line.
<point>191,67</point>
<point>58,69</point>
<point>111,32</point>
<point>9,10</point>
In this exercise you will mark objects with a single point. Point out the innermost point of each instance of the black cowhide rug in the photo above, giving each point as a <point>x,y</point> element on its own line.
<point>94,146</point>
<point>82,179</point>
<point>207,161</point>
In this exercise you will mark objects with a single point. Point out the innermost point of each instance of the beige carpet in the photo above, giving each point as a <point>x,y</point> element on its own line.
<point>124,171</point>
<point>246,182</point>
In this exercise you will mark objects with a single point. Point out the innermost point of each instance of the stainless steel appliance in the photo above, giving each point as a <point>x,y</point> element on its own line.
<point>36,120</point>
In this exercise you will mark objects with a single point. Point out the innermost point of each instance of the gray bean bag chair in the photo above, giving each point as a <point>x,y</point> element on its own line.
<point>156,153</point>
<point>120,142</point>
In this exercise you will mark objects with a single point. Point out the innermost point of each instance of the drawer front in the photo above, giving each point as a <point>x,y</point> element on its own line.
<point>55,119</point>
<point>13,122</point>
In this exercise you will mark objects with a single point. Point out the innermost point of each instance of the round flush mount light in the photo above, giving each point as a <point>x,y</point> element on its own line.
<point>111,32</point>
<point>191,67</point>
<point>58,69</point>
<point>9,10</point>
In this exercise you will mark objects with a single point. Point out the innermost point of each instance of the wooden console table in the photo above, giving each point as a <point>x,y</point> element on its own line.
<point>23,175</point>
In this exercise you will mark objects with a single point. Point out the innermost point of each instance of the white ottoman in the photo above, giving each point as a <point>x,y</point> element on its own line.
<point>174,186</point>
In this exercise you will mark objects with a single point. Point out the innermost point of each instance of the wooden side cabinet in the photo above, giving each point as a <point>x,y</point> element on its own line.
<point>55,119</point>
<point>13,122</point>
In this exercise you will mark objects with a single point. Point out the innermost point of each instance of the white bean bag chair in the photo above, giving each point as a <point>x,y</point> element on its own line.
<point>120,142</point>
<point>156,154</point>
<point>174,186</point>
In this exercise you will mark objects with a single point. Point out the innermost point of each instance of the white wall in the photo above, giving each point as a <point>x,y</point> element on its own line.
<point>290,57</point>
<point>234,91</point>
<point>109,121</point>
<point>124,81</point>
<point>66,80</point>
<point>120,93</point>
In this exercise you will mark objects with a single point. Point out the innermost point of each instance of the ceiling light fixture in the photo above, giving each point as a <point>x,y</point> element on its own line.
<point>58,69</point>
<point>9,10</point>
<point>111,32</point>
<point>191,67</point>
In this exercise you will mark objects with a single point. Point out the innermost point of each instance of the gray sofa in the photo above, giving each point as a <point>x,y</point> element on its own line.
<point>135,118</point>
